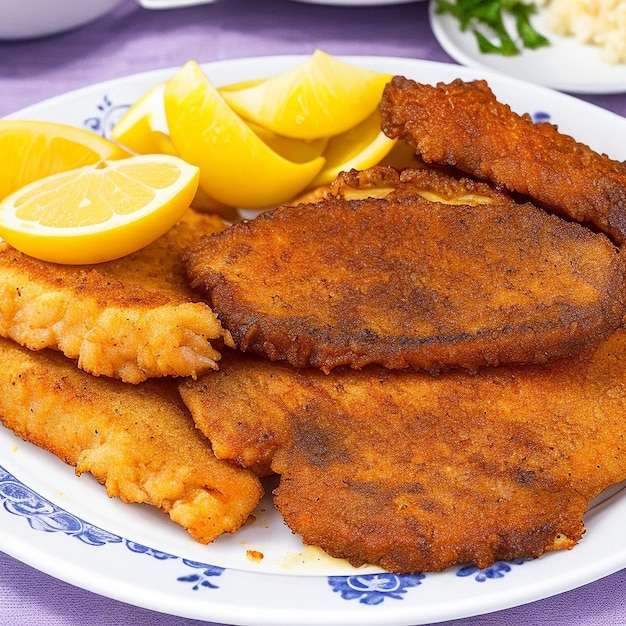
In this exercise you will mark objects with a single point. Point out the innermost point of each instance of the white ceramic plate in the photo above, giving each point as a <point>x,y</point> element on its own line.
<point>565,65</point>
<point>67,527</point>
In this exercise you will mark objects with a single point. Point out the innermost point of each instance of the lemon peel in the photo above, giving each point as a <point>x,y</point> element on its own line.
<point>360,147</point>
<point>143,128</point>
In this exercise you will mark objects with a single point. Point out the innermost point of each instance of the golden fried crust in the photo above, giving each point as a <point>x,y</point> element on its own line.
<point>461,124</point>
<point>417,473</point>
<point>403,281</point>
<point>133,318</point>
<point>139,441</point>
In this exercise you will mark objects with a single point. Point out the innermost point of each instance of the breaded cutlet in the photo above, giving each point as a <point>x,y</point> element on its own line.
<point>440,272</point>
<point>139,441</point>
<point>417,473</point>
<point>133,318</point>
<point>463,125</point>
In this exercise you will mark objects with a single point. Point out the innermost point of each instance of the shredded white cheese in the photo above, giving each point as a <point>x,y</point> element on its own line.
<point>598,22</point>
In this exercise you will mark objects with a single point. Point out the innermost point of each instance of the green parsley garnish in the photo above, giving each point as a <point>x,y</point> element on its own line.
<point>485,19</point>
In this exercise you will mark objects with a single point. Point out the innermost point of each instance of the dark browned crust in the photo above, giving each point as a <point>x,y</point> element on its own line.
<point>415,473</point>
<point>461,124</point>
<point>405,282</point>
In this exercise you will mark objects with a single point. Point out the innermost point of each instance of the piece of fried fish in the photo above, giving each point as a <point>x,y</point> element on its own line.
<point>417,473</point>
<point>463,125</point>
<point>439,272</point>
<point>133,318</point>
<point>137,440</point>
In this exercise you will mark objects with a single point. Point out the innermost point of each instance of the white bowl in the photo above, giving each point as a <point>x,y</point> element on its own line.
<point>23,19</point>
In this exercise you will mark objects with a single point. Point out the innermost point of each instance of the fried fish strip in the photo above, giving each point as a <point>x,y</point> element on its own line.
<point>133,318</point>
<point>137,440</point>
<point>404,281</point>
<point>462,124</point>
<point>417,473</point>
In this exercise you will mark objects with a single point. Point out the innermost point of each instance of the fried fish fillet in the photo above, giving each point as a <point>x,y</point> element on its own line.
<point>133,318</point>
<point>417,473</point>
<point>462,124</point>
<point>464,276</point>
<point>137,440</point>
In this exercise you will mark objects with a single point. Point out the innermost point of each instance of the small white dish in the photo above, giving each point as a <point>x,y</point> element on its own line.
<point>25,19</point>
<point>566,64</point>
<point>170,4</point>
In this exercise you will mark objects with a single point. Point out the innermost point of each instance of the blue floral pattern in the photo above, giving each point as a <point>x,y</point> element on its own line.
<point>201,579</point>
<point>41,514</point>
<point>541,116</point>
<point>497,570</point>
<point>110,114</point>
<point>369,589</point>
<point>372,589</point>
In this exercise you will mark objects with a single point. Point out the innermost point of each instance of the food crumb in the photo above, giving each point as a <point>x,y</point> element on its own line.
<point>254,555</point>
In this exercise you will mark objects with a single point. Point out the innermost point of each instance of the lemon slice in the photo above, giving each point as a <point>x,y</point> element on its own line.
<point>143,128</point>
<point>319,98</point>
<point>236,167</point>
<point>30,150</point>
<point>360,147</point>
<point>99,212</point>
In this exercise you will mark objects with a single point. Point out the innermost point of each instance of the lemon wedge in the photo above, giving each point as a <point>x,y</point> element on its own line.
<point>321,97</point>
<point>30,150</point>
<point>143,128</point>
<point>99,212</point>
<point>360,147</point>
<point>237,167</point>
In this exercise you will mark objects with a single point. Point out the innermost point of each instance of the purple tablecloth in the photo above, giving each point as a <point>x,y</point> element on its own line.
<point>132,39</point>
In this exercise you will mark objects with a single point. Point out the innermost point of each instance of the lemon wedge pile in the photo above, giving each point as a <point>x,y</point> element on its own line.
<point>261,142</point>
<point>236,166</point>
<point>70,196</point>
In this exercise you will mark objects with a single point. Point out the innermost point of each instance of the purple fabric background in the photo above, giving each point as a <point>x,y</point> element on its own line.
<point>132,39</point>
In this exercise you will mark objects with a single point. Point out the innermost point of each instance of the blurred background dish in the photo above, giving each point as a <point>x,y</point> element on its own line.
<point>25,19</point>
<point>170,4</point>
<point>566,65</point>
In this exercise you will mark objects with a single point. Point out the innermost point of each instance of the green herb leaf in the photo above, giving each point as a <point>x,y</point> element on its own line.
<point>531,38</point>
<point>485,19</point>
